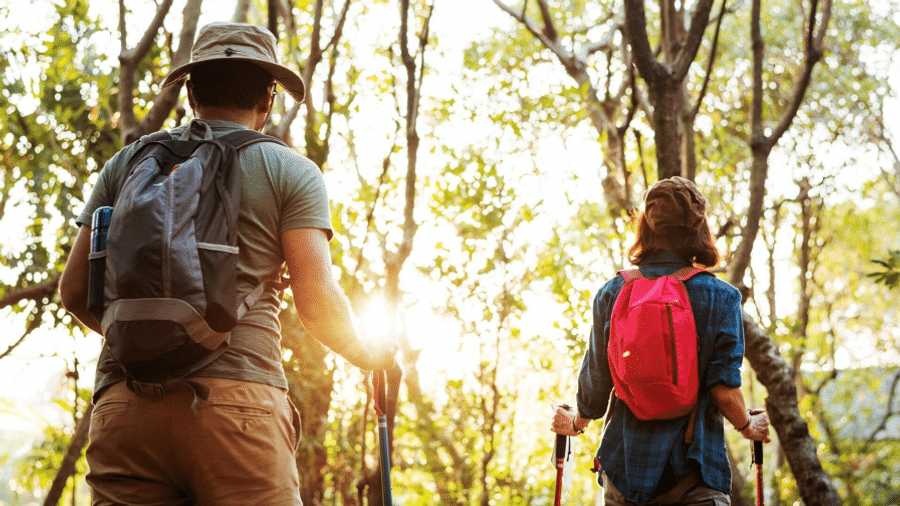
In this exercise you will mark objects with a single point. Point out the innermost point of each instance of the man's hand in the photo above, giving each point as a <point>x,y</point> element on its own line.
<point>386,351</point>
<point>380,355</point>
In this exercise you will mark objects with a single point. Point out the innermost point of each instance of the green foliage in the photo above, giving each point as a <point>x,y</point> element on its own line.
<point>513,239</point>
<point>57,130</point>
<point>37,469</point>
<point>855,423</point>
<point>890,273</point>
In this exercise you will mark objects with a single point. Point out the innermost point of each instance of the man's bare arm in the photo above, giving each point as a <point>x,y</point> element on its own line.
<point>73,284</point>
<point>321,304</point>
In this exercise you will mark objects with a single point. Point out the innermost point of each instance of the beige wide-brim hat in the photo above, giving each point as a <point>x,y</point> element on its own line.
<point>240,42</point>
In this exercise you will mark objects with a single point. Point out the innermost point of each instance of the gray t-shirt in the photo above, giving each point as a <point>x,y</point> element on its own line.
<point>280,190</point>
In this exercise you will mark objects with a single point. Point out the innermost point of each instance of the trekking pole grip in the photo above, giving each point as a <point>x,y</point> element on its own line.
<point>561,447</point>
<point>379,385</point>
<point>758,460</point>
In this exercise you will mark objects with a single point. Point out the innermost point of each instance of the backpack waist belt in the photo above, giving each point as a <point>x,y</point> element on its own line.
<point>174,310</point>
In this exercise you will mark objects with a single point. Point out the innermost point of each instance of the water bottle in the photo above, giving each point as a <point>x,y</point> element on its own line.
<point>97,280</point>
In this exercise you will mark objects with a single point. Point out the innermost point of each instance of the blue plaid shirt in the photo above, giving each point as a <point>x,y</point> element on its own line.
<point>644,459</point>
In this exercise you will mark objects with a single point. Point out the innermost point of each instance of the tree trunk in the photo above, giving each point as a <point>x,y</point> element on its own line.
<point>394,261</point>
<point>73,453</point>
<point>799,447</point>
<point>310,387</point>
<point>665,80</point>
<point>666,97</point>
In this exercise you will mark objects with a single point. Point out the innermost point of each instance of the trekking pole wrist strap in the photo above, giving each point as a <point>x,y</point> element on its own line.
<point>575,427</point>
<point>749,419</point>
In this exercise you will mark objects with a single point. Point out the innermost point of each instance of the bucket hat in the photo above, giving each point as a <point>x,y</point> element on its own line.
<point>674,202</point>
<point>240,42</point>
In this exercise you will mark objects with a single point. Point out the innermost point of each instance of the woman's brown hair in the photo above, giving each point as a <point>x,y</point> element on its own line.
<point>697,247</point>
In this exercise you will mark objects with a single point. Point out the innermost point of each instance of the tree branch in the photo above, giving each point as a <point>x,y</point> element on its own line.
<point>887,415</point>
<point>412,137</point>
<point>623,128</point>
<point>314,150</point>
<point>574,66</point>
<point>370,214</point>
<point>549,26</point>
<point>760,144</point>
<point>691,45</point>
<point>168,97</point>
<point>146,42</point>
<point>551,44</point>
<point>709,64</point>
<point>636,30</point>
<point>32,326</point>
<point>44,290</point>
<point>814,53</point>
<point>128,63</point>
<point>339,29</point>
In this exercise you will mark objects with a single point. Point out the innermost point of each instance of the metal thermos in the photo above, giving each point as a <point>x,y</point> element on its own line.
<point>99,231</point>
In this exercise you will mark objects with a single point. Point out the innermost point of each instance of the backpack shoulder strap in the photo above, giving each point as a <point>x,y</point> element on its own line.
<point>246,137</point>
<point>162,135</point>
<point>688,272</point>
<point>257,292</point>
<point>631,274</point>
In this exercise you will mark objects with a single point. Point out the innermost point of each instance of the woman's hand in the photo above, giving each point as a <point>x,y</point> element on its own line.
<point>758,428</point>
<point>567,422</point>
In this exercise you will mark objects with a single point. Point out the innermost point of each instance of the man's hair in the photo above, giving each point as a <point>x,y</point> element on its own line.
<point>697,247</point>
<point>230,84</point>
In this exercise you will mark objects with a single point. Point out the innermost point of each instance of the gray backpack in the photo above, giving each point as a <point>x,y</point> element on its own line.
<point>171,260</point>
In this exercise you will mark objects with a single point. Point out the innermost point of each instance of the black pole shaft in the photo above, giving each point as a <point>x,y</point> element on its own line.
<point>379,384</point>
<point>385,461</point>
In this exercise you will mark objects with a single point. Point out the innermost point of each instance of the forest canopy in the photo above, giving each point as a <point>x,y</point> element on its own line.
<point>484,159</point>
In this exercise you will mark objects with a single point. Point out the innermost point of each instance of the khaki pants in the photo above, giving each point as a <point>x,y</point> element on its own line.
<point>237,450</point>
<point>691,491</point>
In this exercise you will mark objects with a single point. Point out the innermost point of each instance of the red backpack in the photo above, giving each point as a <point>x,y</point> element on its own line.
<point>653,346</point>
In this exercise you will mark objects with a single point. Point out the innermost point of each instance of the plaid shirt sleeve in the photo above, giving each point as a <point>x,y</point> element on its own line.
<point>594,379</point>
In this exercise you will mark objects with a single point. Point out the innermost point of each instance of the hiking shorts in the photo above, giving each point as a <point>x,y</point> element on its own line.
<point>238,449</point>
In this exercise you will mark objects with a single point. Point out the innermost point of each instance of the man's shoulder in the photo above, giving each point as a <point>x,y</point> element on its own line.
<point>279,156</point>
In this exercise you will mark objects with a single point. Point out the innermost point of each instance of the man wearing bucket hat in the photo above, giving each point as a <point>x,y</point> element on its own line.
<point>681,460</point>
<point>237,448</point>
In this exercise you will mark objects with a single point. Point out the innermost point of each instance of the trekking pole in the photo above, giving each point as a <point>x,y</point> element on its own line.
<point>379,385</point>
<point>561,443</point>
<point>758,460</point>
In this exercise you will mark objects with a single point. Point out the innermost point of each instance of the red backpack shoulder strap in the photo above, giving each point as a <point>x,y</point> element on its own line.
<point>631,274</point>
<point>687,273</point>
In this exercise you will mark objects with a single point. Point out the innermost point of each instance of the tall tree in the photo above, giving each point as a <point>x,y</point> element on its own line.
<point>395,256</point>
<point>665,79</point>
<point>608,107</point>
